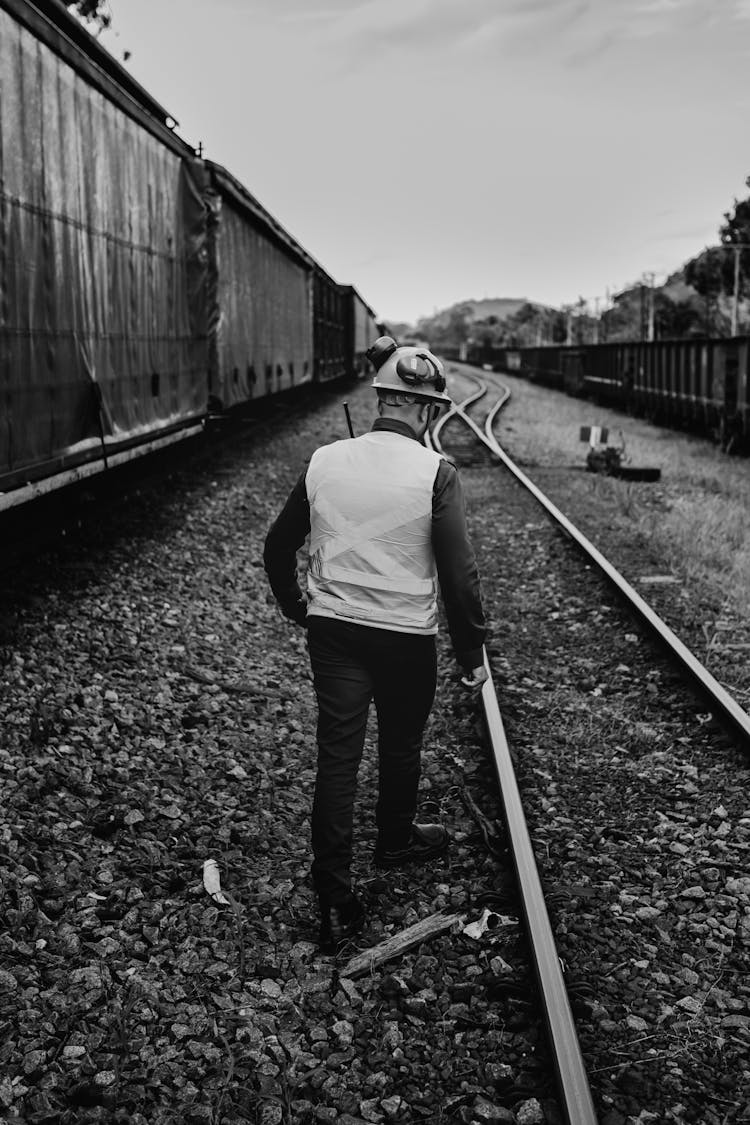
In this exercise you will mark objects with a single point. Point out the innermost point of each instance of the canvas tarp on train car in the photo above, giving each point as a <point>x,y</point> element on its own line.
<point>366,331</point>
<point>101,256</point>
<point>329,345</point>
<point>260,303</point>
<point>361,330</point>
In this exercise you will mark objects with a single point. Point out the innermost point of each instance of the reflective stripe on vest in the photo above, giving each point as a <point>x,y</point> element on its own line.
<point>371,558</point>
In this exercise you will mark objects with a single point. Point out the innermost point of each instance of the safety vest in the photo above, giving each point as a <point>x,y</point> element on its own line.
<point>371,558</point>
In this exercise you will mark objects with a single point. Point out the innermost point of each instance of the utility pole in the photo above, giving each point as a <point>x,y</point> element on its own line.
<point>737,247</point>
<point>581,313</point>
<point>649,279</point>
<point>641,288</point>
<point>596,319</point>
<point>608,306</point>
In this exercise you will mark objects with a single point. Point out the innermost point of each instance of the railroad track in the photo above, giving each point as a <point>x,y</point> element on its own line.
<point>720,701</point>
<point>573,1085</point>
<point>147,677</point>
<point>156,588</point>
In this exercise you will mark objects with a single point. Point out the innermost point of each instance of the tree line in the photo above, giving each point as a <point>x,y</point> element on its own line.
<point>723,272</point>
<point>702,298</point>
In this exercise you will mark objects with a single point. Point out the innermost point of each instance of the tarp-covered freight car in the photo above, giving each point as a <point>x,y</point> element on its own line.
<point>260,298</point>
<point>102,340</point>
<point>361,330</point>
<point>329,336</point>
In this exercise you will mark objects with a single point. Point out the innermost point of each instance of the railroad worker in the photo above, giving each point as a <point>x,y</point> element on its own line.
<point>386,522</point>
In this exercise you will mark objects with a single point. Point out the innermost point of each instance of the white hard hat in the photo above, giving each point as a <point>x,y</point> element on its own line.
<point>408,370</point>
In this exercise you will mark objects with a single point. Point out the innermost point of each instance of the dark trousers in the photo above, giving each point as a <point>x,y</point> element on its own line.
<point>353,665</point>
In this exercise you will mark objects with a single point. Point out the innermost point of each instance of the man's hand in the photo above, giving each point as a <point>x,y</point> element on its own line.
<point>296,611</point>
<point>475,678</point>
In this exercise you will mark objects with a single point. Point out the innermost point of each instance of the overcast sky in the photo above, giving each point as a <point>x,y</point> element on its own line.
<point>429,151</point>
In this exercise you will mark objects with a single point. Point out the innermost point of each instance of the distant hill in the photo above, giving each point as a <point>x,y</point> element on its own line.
<point>673,310</point>
<point>469,311</point>
<point>472,310</point>
<point>398,329</point>
<point>488,321</point>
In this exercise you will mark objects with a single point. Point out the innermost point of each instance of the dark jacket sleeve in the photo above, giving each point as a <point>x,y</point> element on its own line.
<point>286,535</point>
<point>457,568</point>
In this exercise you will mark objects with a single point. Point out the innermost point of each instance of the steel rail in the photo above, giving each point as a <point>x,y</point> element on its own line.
<point>718,698</point>
<point>716,695</point>
<point>572,1081</point>
<point>457,410</point>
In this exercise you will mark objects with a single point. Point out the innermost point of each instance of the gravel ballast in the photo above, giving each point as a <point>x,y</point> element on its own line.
<point>157,713</point>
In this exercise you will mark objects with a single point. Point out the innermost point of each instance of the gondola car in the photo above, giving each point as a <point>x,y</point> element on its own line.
<point>702,384</point>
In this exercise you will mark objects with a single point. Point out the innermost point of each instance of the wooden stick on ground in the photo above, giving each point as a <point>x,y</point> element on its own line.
<point>397,944</point>
<point>214,681</point>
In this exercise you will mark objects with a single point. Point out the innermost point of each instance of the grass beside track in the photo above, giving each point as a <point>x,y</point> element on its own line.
<point>684,541</point>
<point>701,528</point>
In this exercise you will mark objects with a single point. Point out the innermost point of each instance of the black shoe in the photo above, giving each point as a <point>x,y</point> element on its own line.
<point>425,843</point>
<point>339,923</point>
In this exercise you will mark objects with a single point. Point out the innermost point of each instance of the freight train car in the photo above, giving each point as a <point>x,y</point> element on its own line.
<point>329,327</point>
<point>259,297</point>
<point>102,344</point>
<point>701,384</point>
<point>360,329</point>
<point>697,383</point>
<point>138,282</point>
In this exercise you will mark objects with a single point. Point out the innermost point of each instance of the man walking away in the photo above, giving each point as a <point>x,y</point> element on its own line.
<point>387,524</point>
